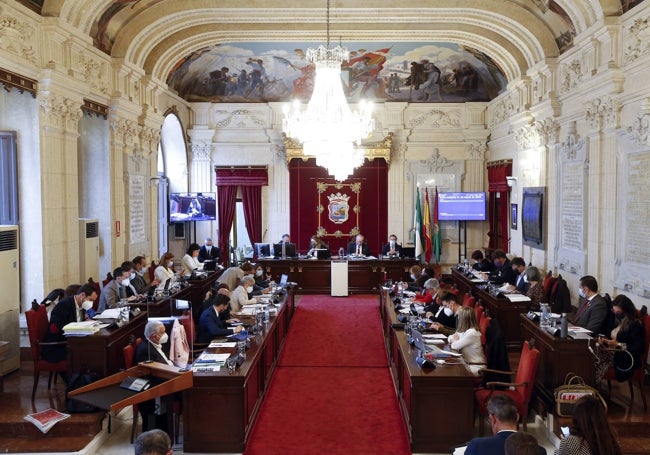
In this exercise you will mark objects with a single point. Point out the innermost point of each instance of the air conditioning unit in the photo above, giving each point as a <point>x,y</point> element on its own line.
<point>88,249</point>
<point>10,296</point>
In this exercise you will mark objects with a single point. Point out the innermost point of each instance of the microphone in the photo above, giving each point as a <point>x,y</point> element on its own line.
<point>264,235</point>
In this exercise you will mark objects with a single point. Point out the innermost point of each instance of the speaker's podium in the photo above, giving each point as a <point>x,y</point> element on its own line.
<point>339,278</point>
<point>109,395</point>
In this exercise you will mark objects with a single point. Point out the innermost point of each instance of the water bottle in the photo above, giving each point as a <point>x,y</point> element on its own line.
<point>267,314</point>
<point>341,252</point>
<point>564,326</point>
<point>466,265</point>
<point>545,320</point>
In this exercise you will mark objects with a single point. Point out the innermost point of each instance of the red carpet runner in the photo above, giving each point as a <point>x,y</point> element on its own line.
<point>332,391</point>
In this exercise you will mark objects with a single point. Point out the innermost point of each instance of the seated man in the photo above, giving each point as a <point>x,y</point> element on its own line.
<point>480,263</point>
<point>212,325</point>
<point>115,290</point>
<point>240,296</point>
<point>392,248</point>
<point>233,275</point>
<point>503,417</point>
<point>358,247</point>
<point>449,327</point>
<point>208,251</point>
<point>442,313</point>
<point>139,282</point>
<point>592,313</point>
<point>503,272</point>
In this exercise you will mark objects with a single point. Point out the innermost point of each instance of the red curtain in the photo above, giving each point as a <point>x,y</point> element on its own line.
<point>227,199</point>
<point>497,183</point>
<point>252,199</point>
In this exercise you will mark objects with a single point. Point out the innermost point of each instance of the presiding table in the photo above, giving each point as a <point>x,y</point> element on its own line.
<point>437,404</point>
<point>221,407</point>
<point>314,275</point>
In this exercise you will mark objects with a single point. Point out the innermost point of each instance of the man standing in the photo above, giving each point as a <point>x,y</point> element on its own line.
<point>392,248</point>
<point>70,309</point>
<point>503,417</point>
<point>115,290</point>
<point>593,310</point>
<point>358,247</point>
<point>208,251</point>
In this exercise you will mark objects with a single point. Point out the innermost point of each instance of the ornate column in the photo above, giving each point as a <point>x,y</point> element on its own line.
<point>59,119</point>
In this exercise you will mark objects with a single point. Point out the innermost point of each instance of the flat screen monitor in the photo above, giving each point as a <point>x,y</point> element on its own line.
<point>192,207</point>
<point>182,304</point>
<point>289,250</point>
<point>461,206</point>
<point>262,250</point>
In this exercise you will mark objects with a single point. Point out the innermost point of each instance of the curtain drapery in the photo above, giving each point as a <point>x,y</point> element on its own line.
<point>227,199</point>
<point>499,222</point>
<point>252,199</point>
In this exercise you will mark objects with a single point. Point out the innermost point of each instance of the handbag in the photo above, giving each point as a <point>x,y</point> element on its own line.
<point>570,392</point>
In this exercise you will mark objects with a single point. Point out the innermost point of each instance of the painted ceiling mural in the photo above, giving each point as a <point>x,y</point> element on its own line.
<point>263,72</point>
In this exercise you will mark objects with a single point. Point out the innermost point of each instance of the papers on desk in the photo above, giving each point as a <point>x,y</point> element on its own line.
<point>222,344</point>
<point>208,363</point>
<point>436,336</point>
<point>478,280</point>
<point>518,298</point>
<point>409,293</point>
<point>111,313</point>
<point>207,358</point>
<point>459,450</point>
<point>434,341</point>
<point>82,328</point>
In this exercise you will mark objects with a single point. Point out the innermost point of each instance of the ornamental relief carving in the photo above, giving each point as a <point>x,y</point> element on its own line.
<point>436,163</point>
<point>503,109</point>
<point>201,151</point>
<point>637,37</point>
<point>640,129</point>
<point>476,150</point>
<point>603,113</point>
<point>17,36</point>
<point>59,112</point>
<point>126,131</point>
<point>571,74</point>
<point>94,73</point>
<point>542,133</point>
<point>237,119</point>
<point>436,118</point>
<point>149,139</point>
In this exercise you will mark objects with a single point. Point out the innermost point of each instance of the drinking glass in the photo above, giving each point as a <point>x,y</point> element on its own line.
<point>231,363</point>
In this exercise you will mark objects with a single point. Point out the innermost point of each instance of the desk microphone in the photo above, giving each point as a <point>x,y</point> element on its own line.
<point>148,342</point>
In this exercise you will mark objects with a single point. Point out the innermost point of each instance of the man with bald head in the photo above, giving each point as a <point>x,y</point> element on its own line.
<point>358,247</point>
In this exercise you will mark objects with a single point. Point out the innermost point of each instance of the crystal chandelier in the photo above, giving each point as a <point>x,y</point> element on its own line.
<point>328,129</point>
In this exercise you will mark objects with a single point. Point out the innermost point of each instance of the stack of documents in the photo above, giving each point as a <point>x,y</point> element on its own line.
<point>518,298</point>
<point>207,363</point>
<point>82,328</point>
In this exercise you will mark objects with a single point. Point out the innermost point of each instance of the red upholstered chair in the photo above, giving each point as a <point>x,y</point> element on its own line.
<point>37,325</point>
<point>549,280</point>
<point>478,312</point>
<point>129,353</point>
<point>469,300</point>
<point>639,374</point>
<point>520,390</point>
<point>107,280</point>
<point>483,323</point>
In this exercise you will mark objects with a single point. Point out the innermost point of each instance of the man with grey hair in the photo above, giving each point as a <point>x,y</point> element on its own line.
<point>239,297</point>
<point>503,417</point>
<point>153,442</point>
<point>208,251</point>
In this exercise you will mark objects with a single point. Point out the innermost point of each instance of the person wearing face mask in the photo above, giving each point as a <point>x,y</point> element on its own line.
<point>138,279</point>
<point>315,244</point>
<point>190,261</point>
<point>443,314</point>
<point>116,290</point>
<point>208,251</point>
<point>503,272</point>
<point>414,273</point>
<point>165,269</point>
<point>451,302</point>
<point>259,278</point>
<point>592,312</point>
<point>131,290</point>
<point>392,248</point>
<point>69,309</point>
<point>239,297</point>
<point>628,335</point>
<point>480,263</point>
<point>212,323</point>
<point>535,292</point>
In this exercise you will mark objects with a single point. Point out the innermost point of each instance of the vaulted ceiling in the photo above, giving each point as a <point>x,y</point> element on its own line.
<point>157,34</point>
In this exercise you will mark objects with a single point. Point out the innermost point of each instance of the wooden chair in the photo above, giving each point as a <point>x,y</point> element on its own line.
<point>520,390</point>
<point>639,373</point>
<point>37,326</point>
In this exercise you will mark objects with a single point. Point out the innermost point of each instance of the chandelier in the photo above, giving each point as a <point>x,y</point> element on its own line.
<point>328,129</point>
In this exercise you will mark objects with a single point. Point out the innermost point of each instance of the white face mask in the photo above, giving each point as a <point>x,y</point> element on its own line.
<point>448,311</point>
<point>582,294</point>
<point>126,282</point>
<point>87,305</point>
<point>412,276</point>
<point>249,289</point>
<point>258,273</point>
<point>141,272</point>
<point>132,275</point>
<point>170,264</point>
<point>164,338</point>
<point>525,279</point>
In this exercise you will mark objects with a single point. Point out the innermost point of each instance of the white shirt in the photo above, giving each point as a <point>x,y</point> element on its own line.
<point>239,298</point>
<point>160,351</point>
<point>468,343</point>
<point>162,274</point>
<point>189,263</point>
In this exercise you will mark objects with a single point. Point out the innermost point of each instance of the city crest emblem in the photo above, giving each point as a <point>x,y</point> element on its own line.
<point>338,208</point>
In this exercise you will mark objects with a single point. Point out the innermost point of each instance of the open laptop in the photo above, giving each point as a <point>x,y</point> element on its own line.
<point>435,351</point>
<point>209,265</point>
<point>182,304</point>
<point>323,253</point>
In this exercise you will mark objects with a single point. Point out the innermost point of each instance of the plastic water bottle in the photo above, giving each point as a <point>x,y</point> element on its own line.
<point>267,315</point>
<point>341,252</point>
<point>545,320</point>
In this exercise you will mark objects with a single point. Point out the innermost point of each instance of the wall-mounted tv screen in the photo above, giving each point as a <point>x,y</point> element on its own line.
<point>461,206</point>
<point>192,207</point>
<point>532,216</point>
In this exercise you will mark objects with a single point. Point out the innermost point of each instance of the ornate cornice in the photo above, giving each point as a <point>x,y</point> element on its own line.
<point>59,112</point>
<point>436,118</point>
<point>636,45</point>
<point>239,118</point>
<point>603,113</point>
<point>12,80</point>
<point>381,149</point>
<point>538,134</point>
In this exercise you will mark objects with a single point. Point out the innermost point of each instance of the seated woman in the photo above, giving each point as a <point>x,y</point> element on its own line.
<point>628,335</point>
<point>190,261</point>
<point>590,432</point>
<point>165,269</point>
<point>415,272</point>
<point>467,340</point>
<point>315,244</point>
<point>535,292</point>
<point>480,263</point>
<point>239,297</point>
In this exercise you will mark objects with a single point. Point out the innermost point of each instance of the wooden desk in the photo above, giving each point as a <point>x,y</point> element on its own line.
<point>101,352</point>
<point>314,276</point>
<point>505,311</point>
<point>220,409</point>
<point>558,356</point>
<point>437,404</point>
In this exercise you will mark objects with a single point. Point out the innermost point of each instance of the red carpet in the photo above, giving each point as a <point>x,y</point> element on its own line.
<point>335,331</point>
<point>332,391</point>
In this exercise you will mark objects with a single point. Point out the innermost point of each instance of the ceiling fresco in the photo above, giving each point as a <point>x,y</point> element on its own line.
<point>263,72</point>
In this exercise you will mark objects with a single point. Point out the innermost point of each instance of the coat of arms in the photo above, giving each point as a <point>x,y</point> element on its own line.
<point>338,208</point>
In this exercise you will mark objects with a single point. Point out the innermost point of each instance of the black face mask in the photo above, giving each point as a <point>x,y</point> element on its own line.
<point>619,316</point>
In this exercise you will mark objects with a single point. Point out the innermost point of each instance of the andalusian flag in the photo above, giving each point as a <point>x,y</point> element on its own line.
<point>437,234</point>
<point>417,224</point>
<point>426,228</point>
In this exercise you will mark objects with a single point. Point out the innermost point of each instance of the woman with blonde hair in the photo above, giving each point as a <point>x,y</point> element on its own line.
<point>467,340</point>
<point>165,269</point>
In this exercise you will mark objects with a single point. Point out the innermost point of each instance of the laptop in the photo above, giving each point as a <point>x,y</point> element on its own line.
<point>434,351</point>
<point>323,253</point>
<point>283,279</point>
<point>182,304</point>
<point>209,265</point>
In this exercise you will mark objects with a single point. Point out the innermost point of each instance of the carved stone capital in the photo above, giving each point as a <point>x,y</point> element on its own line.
<point>149,139</point>
<point>201,151</point>
<point>538,134</point>
<point>60,112</point>
<point>603,113</point>
<point>125,131</point>
<point>476,150</point>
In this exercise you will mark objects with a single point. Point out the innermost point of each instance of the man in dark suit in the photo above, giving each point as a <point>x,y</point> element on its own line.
<point>358,247</point>
<point>519,267</point>
<point>503,272</point>
<point>70,309</point>
<point>392,248</point>
<point>503,417</point>
<point>209,251</point>
<point>211,324</point>
<point>593,310</point>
